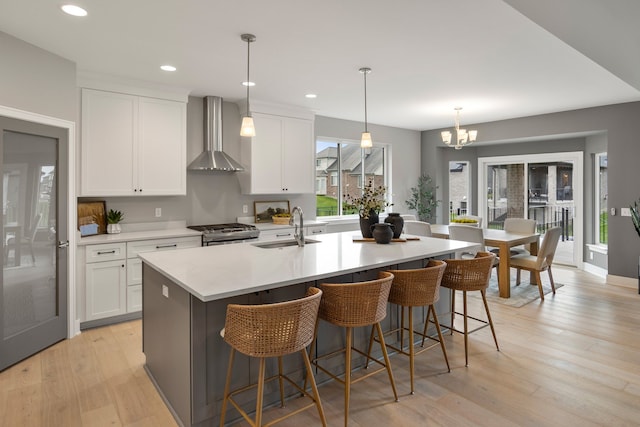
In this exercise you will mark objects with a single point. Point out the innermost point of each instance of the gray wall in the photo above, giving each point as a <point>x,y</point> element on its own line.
<point>617,122</point>
<point>34,80</point>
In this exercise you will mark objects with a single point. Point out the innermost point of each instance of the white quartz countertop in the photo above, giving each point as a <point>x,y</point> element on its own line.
<point>216,272</point>
<point>137,235</point>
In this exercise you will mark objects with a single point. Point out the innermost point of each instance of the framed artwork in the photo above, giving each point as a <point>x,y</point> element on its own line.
<point>92,218</point>
<point>265,210</point>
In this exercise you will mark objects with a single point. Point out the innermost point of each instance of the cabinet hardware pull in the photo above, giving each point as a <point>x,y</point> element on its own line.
<point>106,252</point>
<point>316,231</point>
<point>175,245</point>
<point>283,235</point>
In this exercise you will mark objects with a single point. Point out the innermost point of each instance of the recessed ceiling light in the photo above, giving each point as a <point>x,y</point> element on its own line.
<point>167,68</point>
<point>311,95</point>
<point>73,10</point>
<point>248,84</point>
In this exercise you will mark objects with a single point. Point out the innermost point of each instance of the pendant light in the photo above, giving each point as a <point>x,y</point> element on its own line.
<point>365,142</point>
<point>247,128</point>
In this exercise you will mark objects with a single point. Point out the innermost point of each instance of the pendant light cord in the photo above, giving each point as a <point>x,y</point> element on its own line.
<point>248,81</point>
<point>365,101</point>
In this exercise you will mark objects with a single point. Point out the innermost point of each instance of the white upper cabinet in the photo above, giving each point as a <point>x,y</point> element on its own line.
<point>280,158</point>
<point>132,145</point>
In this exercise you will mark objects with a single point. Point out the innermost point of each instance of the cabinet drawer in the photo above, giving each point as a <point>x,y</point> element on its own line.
<point>105,252</point>
<point>134,248</point>
<point>316,229</point>
<point>283,233</point>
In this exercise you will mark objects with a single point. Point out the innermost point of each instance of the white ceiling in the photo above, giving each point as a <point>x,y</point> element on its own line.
<point>427,56</point>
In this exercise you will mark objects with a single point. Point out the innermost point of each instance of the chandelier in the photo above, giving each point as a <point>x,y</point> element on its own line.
<point>463,136</point>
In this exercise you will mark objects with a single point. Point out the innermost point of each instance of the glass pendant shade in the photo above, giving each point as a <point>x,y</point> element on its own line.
<point>366,142</point>
<point>247,128</point>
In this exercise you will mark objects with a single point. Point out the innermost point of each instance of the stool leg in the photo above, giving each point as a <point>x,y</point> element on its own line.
<point>347,377</point>
<point>402,326</point>
<point>453,308</point>
<point>281,381</point>
<point>366,363</point>
<point>387,362</point>
<point>440,337</point>
<point>466,334</point>
<point>426,326</point>
<point>227,385</point>
<point>486,308</point>
<point>314,387</point>
<point>411,351</point>
<point>311,350</point>
<point>260,392</point>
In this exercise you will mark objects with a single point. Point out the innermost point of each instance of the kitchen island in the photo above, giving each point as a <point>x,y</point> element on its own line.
<point>185,294</point>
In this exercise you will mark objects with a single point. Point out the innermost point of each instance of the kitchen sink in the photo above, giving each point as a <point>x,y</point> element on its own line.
<point>282,243</point>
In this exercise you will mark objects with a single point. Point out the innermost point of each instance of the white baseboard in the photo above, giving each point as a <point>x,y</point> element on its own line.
<point>626,282</point>
<point>594,269</point>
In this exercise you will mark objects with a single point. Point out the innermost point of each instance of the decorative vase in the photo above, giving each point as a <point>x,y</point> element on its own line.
<point>113,228</point>
<point>397,221</point>
<point>382,233</point>
<point>366,223</point>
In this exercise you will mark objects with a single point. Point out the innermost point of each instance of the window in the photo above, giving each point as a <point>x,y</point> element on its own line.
<point>459,182</point>
<point>345,167</point>
<point>601,219</point>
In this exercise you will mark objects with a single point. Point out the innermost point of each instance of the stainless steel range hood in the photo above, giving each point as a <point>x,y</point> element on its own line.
<point>213,158</point>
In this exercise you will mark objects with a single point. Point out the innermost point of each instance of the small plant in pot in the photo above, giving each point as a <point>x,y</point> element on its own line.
<point>113,219</point>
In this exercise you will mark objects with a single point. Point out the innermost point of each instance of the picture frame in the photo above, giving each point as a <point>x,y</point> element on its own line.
<point>265,210</point>
<point>92,218</point>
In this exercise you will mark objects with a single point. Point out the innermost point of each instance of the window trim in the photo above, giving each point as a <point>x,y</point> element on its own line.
<point>387,174</point>
<point>596,199</point>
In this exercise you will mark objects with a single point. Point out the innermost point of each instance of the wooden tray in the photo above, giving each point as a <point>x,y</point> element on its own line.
<point>371,239</point>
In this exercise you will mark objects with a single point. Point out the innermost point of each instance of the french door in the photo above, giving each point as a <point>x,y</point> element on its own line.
<point>34,285</point>
<point>544,187</point>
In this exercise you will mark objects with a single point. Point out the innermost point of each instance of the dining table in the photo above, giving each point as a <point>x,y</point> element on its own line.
<point>504,241</point>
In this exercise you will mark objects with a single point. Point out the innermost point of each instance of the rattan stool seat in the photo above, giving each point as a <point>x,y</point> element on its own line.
<point>417,288</point>
<point>352,305</point>
<point>469,275</point>
<point>272,330</point>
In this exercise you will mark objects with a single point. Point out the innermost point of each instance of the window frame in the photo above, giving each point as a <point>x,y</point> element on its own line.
<point>596,199</point>
<point>386,147</point>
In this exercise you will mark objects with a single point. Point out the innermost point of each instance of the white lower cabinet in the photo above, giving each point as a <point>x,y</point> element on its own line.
<point>106,281</point>
<point>113,275</point>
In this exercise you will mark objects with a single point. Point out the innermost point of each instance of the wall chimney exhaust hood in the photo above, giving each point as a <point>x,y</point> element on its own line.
<point>213,158</point>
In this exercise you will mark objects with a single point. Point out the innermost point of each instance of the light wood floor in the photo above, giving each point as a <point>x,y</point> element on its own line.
<point>572,360</point>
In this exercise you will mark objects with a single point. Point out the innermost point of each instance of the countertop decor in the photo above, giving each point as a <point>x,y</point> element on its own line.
<point>264,211</point>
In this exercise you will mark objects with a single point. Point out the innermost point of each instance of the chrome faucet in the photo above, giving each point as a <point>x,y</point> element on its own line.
<point>299,236</point>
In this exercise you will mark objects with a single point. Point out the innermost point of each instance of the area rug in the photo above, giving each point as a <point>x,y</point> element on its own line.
<point>521,295</point>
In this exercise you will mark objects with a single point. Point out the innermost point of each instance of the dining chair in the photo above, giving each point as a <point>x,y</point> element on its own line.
<point>468,233</point>
<point>541,262</point>
<point>26,240</point>
<point>417,228</point>
<point>518,225</point>
<point>272,330</point>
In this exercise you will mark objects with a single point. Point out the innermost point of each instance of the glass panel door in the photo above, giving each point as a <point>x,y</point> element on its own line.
<point>33,292</point>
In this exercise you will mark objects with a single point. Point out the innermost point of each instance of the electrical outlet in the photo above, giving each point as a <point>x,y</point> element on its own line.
<point>158,212</point>
<point>591,256</point>
<point>165,291</point>
<point>245,209</point>
<point>612,211</point>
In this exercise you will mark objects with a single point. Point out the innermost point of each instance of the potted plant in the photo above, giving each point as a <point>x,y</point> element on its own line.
<point>281,218</point>
<point>113,219</point>
<point>423,198</point>
<point>368,205</point>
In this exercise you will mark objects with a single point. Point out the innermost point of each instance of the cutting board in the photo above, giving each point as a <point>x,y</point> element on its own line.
<point>371,239</point>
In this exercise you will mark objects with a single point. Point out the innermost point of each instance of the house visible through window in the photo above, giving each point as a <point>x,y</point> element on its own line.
<point>341,167</point>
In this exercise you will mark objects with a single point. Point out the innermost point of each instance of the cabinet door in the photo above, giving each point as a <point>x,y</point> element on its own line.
<point>108,132</point>
<point>161,154</point>
<point>105,289</point>
<point>299,170</point>
<point>266,155</point>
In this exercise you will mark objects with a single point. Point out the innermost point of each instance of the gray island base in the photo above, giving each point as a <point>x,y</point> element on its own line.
<point>186,292</point>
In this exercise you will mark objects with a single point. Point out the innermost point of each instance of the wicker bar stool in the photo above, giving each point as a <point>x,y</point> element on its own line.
<point>351,305</point>
<point>468,275</point>
<point>416,288</point>
<point>272,330</point>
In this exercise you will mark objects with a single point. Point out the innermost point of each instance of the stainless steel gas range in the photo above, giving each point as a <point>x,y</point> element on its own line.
<point>220,234</point>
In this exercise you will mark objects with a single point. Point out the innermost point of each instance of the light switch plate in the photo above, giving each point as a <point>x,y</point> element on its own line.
<point>625,211</point>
